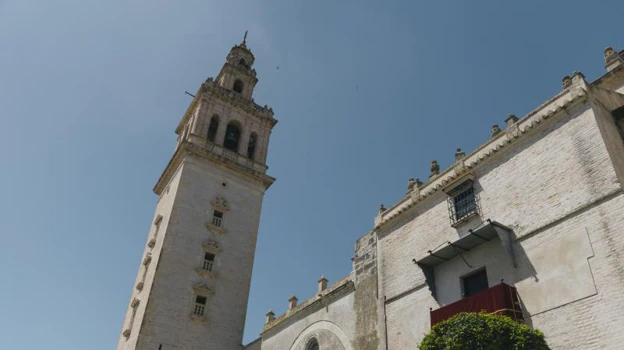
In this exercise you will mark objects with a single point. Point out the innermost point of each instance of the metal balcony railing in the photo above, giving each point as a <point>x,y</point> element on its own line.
<point>500,299</point>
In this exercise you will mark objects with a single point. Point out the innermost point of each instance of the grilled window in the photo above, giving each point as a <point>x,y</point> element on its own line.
<point>208,261</point>
<point>462,202</point>
<point>200,305</point>
<point>217,218</point>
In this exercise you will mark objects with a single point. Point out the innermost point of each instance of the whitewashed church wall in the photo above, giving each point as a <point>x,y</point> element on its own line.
<point>559,171</point>
<point>333,325</point>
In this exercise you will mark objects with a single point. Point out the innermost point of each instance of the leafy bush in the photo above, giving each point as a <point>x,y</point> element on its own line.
<point>480,331</point>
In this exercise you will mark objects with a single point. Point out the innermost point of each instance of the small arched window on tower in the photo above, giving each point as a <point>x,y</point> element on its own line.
<point>238,86</point>
<point>242,62</point>
<point>212,128</point>
<point>251,148</point>
<point>232,136</point>
<point>313,345</point>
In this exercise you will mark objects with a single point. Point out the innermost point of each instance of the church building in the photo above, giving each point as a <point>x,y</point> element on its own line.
<point>530,225</point>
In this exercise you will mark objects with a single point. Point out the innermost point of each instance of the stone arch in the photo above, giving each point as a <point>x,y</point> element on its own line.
<point>213,126</point>
<point>238,86</point>
<point>233,133</point>
<point>312,330</point>
<point>252,146</point>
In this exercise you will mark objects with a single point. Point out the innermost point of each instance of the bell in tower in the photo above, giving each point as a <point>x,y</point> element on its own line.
<point>232,136</point>
<point>237,74</point>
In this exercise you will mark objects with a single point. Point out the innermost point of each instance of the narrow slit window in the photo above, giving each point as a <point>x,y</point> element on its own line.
<point>251,147</point>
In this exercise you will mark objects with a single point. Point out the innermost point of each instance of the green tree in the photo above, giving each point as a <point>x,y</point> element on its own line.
<point>480,331</point>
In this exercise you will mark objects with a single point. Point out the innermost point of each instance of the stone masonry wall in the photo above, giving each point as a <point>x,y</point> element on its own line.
<point>168,320</point>
<point>163,207</point>
<point>367,305</point>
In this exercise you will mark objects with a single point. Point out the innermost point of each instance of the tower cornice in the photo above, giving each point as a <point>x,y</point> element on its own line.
<point>220,156</point>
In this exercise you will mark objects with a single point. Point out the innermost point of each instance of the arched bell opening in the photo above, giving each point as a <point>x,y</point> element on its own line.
<point>232,137</point>
<point>251,147</point>
<point>238,86</point>
<point>212,128</point>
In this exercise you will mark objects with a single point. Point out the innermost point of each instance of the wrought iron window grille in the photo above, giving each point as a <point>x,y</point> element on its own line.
<point>463,202</point>
<point>217,218</point>
<point>208,261</point>
<point>200,305</point>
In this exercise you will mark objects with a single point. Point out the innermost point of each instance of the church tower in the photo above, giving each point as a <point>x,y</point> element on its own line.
<point>193,282</point>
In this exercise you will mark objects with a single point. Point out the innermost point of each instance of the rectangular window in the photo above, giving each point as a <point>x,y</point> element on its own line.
<point>217,218</point>
<point>200,305</point>
<point>208,261</point>
<point>462,202</point>
<point>475,283</point>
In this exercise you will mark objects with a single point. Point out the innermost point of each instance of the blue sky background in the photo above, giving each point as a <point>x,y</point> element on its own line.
<point>367,94</point>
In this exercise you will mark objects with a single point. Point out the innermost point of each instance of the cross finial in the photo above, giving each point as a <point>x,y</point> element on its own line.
<point>245,38</point>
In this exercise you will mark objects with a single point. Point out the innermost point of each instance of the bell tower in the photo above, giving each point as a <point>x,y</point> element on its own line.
<point>193,283</point>
<point>237,74</point>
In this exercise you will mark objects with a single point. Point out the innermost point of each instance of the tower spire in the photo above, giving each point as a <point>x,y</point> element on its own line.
<point>245,38</point>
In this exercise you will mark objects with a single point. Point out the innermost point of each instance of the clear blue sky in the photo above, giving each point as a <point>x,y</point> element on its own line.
<point>367,94</point>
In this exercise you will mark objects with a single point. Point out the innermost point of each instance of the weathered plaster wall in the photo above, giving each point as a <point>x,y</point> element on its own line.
<point>594,322</point>
<point>559,171</point>
<point>604,102</point>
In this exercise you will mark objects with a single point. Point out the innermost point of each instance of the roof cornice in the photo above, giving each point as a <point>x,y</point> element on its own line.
<point>554,108</point>
<point>212,89</point>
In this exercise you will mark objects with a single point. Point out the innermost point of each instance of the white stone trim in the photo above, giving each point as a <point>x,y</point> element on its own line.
<point>556,107</point>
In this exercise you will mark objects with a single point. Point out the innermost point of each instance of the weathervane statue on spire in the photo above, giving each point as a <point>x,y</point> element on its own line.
<point>245,38</point>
